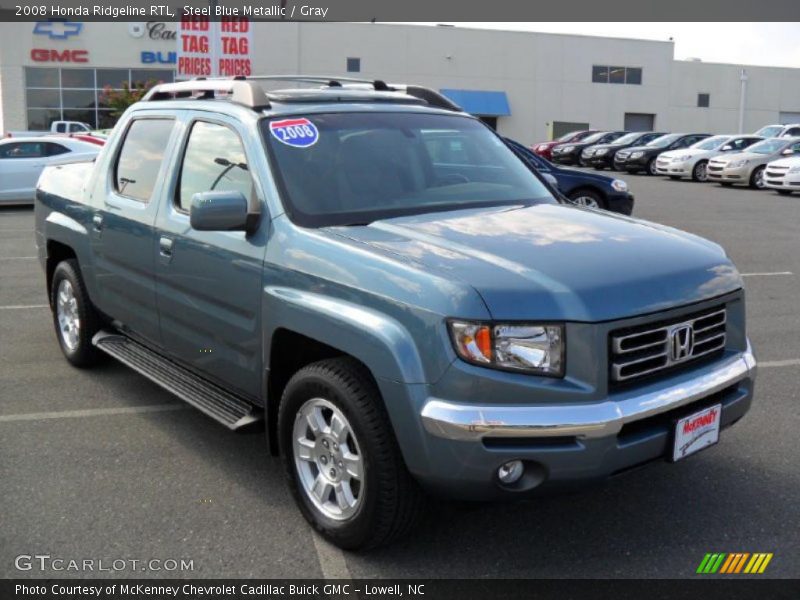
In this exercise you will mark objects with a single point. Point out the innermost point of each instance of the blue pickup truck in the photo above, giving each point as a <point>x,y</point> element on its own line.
<point>404,314</point>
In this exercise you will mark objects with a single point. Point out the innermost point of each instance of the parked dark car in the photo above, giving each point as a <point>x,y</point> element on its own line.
<point>545,149</point>
<point>602,155</point>
<point>580,187</point>
<point>643,158</point>
<point>570,154</point>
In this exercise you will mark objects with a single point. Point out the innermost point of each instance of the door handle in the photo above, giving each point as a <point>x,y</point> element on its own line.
<point>97,222</point>
<point>165,246</point>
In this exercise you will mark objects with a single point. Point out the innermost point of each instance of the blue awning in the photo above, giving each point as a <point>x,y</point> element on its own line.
<point>480,102</point>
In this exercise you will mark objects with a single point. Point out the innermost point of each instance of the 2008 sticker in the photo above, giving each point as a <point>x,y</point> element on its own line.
<point>300,133</point>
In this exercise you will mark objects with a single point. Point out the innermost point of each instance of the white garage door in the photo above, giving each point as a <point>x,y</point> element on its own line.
<point>789,117</point>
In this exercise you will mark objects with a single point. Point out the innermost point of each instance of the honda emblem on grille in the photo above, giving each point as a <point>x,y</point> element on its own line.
<point>681,342</point>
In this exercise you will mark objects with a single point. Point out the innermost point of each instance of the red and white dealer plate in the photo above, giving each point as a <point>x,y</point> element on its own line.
<point>697,431</point>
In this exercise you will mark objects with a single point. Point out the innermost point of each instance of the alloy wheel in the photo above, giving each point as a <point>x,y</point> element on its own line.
<point>328,459</point>
<point>69,322</point>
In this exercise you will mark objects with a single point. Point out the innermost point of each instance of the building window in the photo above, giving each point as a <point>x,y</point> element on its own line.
<point>54,94</point>
<point>354,65</point>
<point>703,100</point>
<point>616,74</point>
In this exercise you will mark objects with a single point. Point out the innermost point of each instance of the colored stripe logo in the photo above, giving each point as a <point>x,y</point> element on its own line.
<point>734,563</point>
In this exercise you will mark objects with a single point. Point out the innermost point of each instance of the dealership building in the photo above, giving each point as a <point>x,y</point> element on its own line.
<point>528,85</point>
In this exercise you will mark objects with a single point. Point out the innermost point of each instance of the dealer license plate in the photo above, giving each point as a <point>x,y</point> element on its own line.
<point>697,431</point>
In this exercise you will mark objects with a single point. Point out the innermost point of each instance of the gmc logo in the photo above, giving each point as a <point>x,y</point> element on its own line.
<point>60,56</point>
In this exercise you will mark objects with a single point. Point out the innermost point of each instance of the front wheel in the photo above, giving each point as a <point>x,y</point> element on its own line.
<point>341,458</point>
<point>588,198</point>
<point>651,167</point>
<point>74,316</point>
<point>700,171</point>
<point>757,179</point>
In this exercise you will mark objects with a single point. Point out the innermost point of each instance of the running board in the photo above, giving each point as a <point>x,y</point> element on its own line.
<point>219,404</point>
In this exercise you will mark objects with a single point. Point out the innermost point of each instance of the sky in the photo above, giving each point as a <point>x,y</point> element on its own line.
<point>770,44</point>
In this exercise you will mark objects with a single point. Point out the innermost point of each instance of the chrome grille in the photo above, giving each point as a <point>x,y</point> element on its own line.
<point>644,350</point>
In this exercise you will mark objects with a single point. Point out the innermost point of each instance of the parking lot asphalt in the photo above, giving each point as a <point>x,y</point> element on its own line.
<point>103,464</point>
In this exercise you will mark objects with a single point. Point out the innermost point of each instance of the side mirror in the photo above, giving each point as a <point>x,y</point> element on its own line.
<point>787,152</point>
<point>551,180</point>
<point>727,148</point>
<point>219,211</point>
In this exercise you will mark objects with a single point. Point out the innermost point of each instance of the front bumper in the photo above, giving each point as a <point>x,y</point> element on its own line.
<point>782,180</point>
<point>575,443</point>
<point>620,202</point>
<point>566,159</point>
<point>729,175</point>
<point>603,160</point>
<point>673,169</point>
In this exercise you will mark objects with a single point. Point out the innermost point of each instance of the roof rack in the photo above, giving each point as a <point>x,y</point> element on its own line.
<point>239,90</point>
<point>246,91</point>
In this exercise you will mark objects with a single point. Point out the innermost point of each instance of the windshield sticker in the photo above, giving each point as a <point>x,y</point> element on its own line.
<point>300,133</point>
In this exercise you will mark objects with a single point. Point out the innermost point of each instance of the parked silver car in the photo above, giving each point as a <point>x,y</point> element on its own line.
<point>693,161</point>
<point>748,167</point>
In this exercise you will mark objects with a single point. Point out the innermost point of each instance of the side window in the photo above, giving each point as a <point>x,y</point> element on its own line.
<point>55,149</point>
<point>61,128</point>
<point>141,156</point>
<point>75,128</point>
<point>793,132</point>
<point>214,161</point>
<point>22,150</point>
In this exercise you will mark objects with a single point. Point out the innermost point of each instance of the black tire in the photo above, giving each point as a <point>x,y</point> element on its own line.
<point>651,167</point>
<point>393,501</point>
<point>700,171</point>
<point>587,193</point>
<point>83,353</point>
<point>784,192</point>
<point>756,176</point>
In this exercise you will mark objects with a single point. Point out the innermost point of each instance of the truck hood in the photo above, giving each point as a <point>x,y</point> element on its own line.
<point>558,262</point>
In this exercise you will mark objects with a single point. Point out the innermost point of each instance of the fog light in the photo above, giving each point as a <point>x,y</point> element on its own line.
<point>510,472</point>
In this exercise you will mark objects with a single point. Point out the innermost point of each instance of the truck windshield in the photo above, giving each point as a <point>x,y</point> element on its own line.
<point>355,168</point>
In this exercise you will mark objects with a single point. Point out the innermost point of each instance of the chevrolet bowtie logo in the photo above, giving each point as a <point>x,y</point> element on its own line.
<point>57,30</point>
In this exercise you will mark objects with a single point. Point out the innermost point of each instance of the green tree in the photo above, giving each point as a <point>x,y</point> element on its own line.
<point>119,100</point>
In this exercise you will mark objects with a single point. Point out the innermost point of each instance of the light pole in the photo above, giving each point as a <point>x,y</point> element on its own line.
<point>742,98</point>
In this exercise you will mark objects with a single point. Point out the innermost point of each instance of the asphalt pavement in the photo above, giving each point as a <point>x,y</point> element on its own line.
<point>103,464</point>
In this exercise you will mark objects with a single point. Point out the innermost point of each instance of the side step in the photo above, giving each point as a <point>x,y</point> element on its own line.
<point>229,409</point>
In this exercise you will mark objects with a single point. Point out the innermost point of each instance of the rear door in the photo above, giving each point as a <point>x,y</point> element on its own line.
<point>21,163</point>
<point>209,283</point>
<point>123,234</point>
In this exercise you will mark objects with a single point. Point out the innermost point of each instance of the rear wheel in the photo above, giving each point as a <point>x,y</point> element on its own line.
<point>757,178</point>
<point>341,458</point>
<point>700,171</point>
<point>74,316</point>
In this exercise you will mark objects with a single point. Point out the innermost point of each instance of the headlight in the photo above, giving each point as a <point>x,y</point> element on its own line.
<point>568,149</point>
<point>587,152</point>
<point>738,163</point>
<point>542,147</point>
<point>682,158</point>
<point>794,170</point>
<point>637,155</point>
<point>619,185</point>
<point>529,347</point>
<point>601,151</point>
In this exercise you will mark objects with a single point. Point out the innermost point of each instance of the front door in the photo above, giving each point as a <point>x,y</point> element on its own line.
<point>209,282</point>
<point>123,235</point>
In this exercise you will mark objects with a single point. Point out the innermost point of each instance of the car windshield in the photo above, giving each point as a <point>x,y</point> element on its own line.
<point>769,131</point>
<point>664,140</point>
<point>711,143</point>
<point>593,138</point>
<point>568,136</point>
<point>628,138</point>
<point>354,168</point>
<point>768,146</point>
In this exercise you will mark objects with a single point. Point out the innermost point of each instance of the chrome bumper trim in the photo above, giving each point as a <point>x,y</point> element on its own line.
<point>471,423</point>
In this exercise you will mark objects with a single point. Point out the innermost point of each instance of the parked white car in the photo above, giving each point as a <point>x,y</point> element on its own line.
<point>23,159</point>
<point>783,175</point>
<point>779,130</point>
<point>693,161</point>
